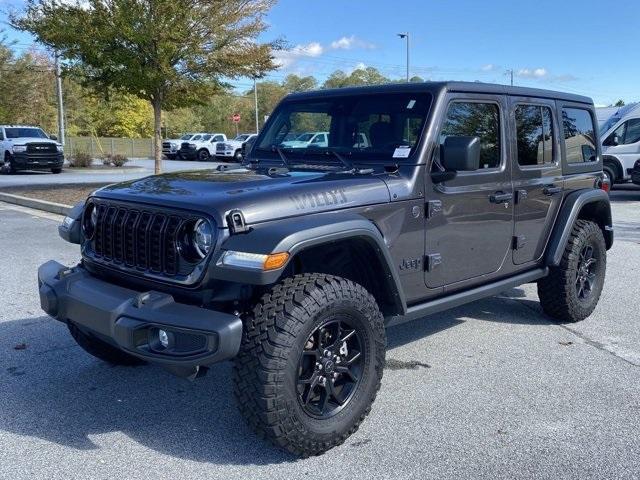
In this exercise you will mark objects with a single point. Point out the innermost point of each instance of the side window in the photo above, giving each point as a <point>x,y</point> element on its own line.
<point>1,134</point>
<point>632,135</point>
<point>579,136</point>
<point>196,137</point>
<point>471,119</point>
<point>534,130</point>
<point>218,138</point>
<point>616,137</point>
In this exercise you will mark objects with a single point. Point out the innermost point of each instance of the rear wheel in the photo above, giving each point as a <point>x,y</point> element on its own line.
<point>311,362</point>
<point>203,155</point>
<point>102,350</point>
<point>571,290</point>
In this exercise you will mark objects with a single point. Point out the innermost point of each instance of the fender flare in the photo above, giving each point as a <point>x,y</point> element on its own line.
<point>571,207</point>
<point>297,234</point>
<point>617,164</point>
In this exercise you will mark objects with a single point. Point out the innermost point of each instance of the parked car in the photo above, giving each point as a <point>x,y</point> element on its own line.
<point>25,147</point>
<point>170,147</point>
<point>294,267</point>
<point>232,149</point>
<point>309,139</point>
<point>620,136</point>
<point>635,173</point>
<point>201,148</point>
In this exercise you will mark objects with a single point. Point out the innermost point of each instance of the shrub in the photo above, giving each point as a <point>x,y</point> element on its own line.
<point>118,160</point>
<point>80,159</point>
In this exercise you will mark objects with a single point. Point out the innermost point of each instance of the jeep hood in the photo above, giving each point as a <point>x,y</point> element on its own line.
<point>261,197</point>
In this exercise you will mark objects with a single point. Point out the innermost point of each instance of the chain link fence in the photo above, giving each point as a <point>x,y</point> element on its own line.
<point>98,146</point>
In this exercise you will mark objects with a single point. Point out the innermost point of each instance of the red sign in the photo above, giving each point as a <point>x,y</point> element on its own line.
<point>235,118</point>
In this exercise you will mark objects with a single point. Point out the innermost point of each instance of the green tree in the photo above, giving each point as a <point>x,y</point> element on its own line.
<point>293,83</point>
<point>170,53</point>
<point>359,77</point>
<point>619,103</point>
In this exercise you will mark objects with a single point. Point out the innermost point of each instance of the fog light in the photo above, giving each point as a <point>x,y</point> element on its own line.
<point>163,338</point>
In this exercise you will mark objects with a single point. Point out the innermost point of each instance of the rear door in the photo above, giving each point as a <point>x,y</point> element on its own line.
<point>470,224</point>
<point>537,175</point>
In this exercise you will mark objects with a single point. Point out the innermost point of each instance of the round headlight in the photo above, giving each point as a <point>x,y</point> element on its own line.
<point>203,237</point>
<point>89,220</point>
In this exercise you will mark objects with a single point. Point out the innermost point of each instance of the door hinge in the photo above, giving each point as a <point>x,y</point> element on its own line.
<point>434,207</point>
<point>432,261</point>
<point>519,242</point>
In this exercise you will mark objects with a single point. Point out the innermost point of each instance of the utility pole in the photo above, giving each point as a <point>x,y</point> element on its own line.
<point>60,104</point>
<point>406,37</point>
<point>255,99</point>
<point>510,71</point>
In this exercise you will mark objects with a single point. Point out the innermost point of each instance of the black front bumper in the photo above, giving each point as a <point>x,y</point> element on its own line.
<point>37,161</point>
<point>130,320</point>
<point>188,153</point>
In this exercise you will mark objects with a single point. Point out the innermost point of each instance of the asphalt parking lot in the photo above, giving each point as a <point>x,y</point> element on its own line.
<point>493,389</point>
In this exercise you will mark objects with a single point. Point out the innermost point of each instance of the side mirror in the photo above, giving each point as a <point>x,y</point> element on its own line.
<point>616,141</point>
<point>461,154</point>
<point>53,137</point>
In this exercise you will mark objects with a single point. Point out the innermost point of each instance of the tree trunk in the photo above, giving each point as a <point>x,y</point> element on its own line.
<point>157,133</point>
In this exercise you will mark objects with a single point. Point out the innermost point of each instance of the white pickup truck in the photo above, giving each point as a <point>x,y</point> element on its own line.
<point>232,149</point>
<point>170,146</point>
<point>201,148</point>
<point>24,147</point>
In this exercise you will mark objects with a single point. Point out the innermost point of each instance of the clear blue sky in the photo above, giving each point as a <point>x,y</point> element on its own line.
<point>583,46</point>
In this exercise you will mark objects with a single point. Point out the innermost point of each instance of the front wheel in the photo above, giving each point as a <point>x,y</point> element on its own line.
<point>203,155</point>
<point>237,156</point>
<point>609,174</point>
<point>56,170</point>
<point>311,362</point>
<point>571,290</point>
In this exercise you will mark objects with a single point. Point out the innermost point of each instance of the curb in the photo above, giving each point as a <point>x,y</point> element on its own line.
<point>100,171</point>
<point>51,207</point>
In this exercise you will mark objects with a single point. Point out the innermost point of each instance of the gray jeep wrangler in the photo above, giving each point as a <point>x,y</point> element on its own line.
<point>424,197</point>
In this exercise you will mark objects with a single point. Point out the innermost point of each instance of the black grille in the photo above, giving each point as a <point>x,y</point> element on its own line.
<point>41,148</point>
<point>220,147</point>
<point>138,238</point>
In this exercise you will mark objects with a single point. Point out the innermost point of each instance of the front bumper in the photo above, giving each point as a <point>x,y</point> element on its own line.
<point>130,320</point>
<point>33,161</point>
<point>188,153</point>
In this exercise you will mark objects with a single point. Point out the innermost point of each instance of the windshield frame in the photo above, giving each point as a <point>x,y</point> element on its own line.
<point>309,156</point>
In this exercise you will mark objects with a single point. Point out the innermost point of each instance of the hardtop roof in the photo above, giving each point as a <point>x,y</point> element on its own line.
<point>440,87</point>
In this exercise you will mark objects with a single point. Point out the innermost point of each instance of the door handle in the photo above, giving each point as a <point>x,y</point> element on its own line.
<point>501,197</point>
<point>551,190</point>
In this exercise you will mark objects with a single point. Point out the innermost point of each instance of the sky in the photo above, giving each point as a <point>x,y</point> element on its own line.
<point>580,46</point>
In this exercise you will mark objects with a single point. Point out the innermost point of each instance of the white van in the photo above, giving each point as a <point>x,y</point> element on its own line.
<point>620,136</point>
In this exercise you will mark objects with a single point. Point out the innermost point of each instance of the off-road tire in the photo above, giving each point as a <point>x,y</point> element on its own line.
<point>265,371</point>
<point>557,291</point>
<point>102,350</point>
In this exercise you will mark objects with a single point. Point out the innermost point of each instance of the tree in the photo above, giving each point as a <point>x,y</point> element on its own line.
<point>360,76</point>
<point>293,83</point>
<point>619,103</point>
<point>170,53</point>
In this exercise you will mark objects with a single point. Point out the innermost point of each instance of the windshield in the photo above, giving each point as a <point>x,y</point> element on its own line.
<point>186,137</point>
<point>609,123</point>
<point>17,132</point>
<point>367,127</point>
<point>241,138</point>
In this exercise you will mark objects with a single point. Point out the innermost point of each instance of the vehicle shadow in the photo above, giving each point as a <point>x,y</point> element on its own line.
<point>52,390</point>
<point>625,193</point>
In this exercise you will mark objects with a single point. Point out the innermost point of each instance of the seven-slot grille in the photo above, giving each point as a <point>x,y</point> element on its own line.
<point>139,239</point>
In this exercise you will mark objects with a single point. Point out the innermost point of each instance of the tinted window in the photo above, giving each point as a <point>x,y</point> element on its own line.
<point>197,137</point>
<point>534,135</point>
<point>480,120</point>
<point>218,138</point>
<point>579,135</point>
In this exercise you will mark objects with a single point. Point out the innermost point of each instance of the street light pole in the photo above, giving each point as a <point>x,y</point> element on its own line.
<point>255,99</point>
<point>60,105</point>
<point>406,37</point>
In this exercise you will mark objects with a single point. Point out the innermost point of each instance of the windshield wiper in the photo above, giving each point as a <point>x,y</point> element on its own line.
<point>348,164</point>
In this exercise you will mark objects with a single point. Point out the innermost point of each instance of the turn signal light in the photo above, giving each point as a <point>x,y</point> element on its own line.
<point>275,261</point>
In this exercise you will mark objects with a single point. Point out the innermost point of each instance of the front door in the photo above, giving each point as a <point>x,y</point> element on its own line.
<point>470,218</point>
<point>537,175</point>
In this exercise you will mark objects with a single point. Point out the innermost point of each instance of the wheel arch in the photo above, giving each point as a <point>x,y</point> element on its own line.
<point>587,204</point>
<point>346,245</point>
<point>616,164</point>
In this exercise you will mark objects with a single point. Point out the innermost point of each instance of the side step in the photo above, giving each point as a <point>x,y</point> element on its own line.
<point>460,298</point>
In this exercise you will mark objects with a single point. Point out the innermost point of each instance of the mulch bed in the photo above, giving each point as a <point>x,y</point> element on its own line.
<point>65,194</point>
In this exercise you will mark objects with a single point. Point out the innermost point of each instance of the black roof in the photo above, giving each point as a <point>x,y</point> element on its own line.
<point>439,87</point>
